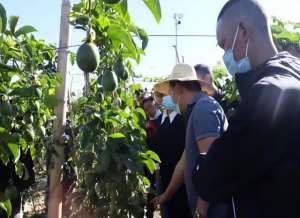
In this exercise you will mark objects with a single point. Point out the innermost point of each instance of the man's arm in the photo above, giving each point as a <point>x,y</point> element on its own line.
<point>203,147</point>
<point>175,183</point>
<point>204,144</point>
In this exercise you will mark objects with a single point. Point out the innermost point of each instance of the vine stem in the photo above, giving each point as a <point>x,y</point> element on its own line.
<point>87,83</point>
<point>90,6</point>
<point>90,24</point>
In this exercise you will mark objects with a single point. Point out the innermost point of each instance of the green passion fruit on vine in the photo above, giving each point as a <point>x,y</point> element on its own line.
<point>112,1</point>
<point>6,109</point>
<point>11,192</point>
<point>88,57</point>
<point>120,70</point>
<point>109,81</point>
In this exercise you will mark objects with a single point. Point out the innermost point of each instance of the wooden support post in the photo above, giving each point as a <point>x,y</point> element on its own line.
<point>55,171</point>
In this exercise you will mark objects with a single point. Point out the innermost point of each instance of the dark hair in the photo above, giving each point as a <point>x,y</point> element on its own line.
<point>227,5</point>
<point>189,85</point>
<point>146,99</point>
<point>202,70</point>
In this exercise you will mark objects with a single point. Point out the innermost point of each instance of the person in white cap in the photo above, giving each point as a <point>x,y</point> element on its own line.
<point>206,121</point>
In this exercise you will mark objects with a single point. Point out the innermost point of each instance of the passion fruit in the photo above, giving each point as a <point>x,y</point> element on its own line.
<point>11,192</point>
<point>88,57</point>
<point>120,69</point>
<point>6,109</point>
<point>109,81</point>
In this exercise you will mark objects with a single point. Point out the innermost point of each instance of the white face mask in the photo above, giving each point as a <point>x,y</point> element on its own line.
<point>233,66</point>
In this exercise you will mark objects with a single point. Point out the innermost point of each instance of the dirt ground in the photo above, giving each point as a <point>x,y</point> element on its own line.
<point>34,206</point>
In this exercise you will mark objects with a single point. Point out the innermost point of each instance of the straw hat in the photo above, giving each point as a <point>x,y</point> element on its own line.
<point>181,72</point>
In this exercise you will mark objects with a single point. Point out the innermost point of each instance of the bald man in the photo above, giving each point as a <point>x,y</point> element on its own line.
<point>256,163</point>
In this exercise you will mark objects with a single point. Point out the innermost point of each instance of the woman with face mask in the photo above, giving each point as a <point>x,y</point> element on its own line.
<point>169,145</point>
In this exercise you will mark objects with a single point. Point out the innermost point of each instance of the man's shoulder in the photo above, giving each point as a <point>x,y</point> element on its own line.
<point>271,85</point>
<point>207,109</point>
<point>207,103</point>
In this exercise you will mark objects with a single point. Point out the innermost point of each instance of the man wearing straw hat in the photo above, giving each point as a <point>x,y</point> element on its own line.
<point>206,121</point>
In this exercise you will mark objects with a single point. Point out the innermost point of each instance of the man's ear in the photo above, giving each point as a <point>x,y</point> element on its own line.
<point>179,89</point>
<point>208,78</point>
<point>245,31</point>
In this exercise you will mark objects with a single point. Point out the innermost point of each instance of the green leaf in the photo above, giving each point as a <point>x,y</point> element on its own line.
<point>103,21</point>
<point>14,78</point>
<point>153,156</point>
<point>0,23</point>
<point>144,37</point>
<point>277,29</point>
<point>37,105</point>
<point>3,18</point>
<point>23,143</point>
<point>117,135</point>
<point>51,101</point>
<point>72,57</point>
<point>122,8</point>
<point>154,7</point>
<point>5,68</point>
<point>30,132</point>
<point>135,87</point>
<point>13,20</point>
<point>26,92</point>
<point>150,165</point>
<point>5,204</point>
<point>42,130</point>
<point>4,155</point>
<point>297,26</point>
<point>2,130</point>
<point>20,168</point>
<point>141,112</point>
<point>15,150</point>
<point>117,33</point>
<point>25,30</point>
<point>146,181</point>
<point>33,152</point>
<point>293,37</point>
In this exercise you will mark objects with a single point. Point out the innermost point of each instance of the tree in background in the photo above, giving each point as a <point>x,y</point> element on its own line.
<point>286,36</point>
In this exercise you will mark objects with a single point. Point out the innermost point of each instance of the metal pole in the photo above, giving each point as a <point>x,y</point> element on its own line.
<point>177,19</point>
<point>177,55</point>
<point>55,172</point>
<point>176,31</point>
<point>176,39</point>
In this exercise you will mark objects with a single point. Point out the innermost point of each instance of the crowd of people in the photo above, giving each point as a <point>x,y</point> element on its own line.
<point>247,166</point>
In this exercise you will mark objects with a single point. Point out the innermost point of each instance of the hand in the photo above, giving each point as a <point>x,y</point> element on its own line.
<point>159,200</point>
<point>202,207</point>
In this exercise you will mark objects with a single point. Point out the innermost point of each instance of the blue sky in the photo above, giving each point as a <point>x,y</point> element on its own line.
<point>199,17</point>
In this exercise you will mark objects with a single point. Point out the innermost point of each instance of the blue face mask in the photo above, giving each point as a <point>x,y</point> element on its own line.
<point>168,103</point>
<point>233,66</point>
